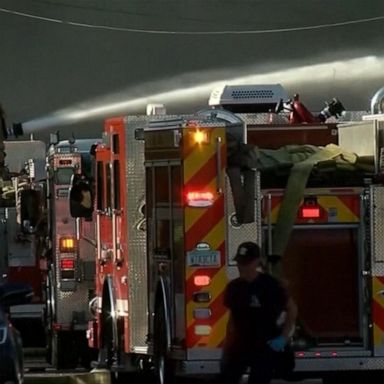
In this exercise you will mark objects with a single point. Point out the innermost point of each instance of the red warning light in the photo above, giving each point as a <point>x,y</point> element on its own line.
<point>201,280</point>
<point>310,208</point>
<point>199,199</point>
<point>310,212</point>
<point>67,264</point>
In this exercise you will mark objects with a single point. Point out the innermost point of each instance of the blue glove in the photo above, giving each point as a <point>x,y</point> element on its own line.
<point>278,343</point>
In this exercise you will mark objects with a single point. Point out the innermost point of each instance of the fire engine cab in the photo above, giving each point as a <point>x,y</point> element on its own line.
<point>175,195</point>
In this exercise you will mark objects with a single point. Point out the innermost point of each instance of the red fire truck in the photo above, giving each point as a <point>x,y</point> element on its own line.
<point>175,195</point>
<point>42,246</point>
<point>22,232</point>
<point>70,279</point>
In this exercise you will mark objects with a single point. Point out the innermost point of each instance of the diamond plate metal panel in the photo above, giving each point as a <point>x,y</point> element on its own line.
<point>72,296</point>
<point>377,228</point>
<point>68,301</point>
<point>236,234</point>
<point>339,364</point>
<point>71,302</point>
<point>283,118</point>
<point>137,272</point>
<point>263,118</point>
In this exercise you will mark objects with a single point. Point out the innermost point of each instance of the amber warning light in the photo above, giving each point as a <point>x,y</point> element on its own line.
<point>67,244</point>
<point>199,199</point>
<point>201,137</point>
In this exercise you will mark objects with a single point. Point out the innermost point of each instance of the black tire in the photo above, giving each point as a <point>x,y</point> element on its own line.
<point>49,317</point>
<point>163,366</point>
<point>107,354</point>
<point>15,375</point>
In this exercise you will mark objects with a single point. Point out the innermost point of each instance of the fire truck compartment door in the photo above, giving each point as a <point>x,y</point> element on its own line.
<point>321,266</point>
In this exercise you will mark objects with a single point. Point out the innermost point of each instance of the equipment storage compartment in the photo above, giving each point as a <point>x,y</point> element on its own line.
<point>321,268</point>
<point>322,263</point>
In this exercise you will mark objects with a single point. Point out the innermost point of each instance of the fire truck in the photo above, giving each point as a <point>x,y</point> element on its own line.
<point>22,231</point>
<point>41,245</point>
<point>70,262</point>
<point>175,195</point>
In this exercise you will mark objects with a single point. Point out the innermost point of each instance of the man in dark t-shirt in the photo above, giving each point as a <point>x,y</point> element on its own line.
<point>262,317</point>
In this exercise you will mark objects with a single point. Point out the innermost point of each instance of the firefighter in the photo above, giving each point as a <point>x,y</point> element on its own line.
<point>262,317</point>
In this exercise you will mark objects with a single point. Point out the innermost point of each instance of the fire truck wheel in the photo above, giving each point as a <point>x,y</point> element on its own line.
<point>164,373</point>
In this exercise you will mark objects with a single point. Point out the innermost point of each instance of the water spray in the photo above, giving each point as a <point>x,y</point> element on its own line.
<point>364,68</point>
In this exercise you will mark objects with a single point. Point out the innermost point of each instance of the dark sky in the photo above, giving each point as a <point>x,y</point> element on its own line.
<point>60,56</point>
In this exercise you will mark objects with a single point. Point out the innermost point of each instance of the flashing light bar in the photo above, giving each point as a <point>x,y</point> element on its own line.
<point>199,199</point>
<point>67,244</point>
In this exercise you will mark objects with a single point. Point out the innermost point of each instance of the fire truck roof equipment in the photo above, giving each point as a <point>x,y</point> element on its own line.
<point>248,98</point>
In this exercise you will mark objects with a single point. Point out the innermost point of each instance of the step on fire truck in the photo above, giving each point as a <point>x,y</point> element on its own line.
<point>40,246</point>
<point>175,195</point>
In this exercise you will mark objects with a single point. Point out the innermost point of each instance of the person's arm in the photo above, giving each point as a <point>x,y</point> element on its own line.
<point>290,320</point>
<point>288,326</point>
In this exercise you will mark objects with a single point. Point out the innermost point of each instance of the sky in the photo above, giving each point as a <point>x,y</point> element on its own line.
<point>66,65</point>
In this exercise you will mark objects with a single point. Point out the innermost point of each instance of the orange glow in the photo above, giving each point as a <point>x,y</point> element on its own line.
<point>201,137</point>
<point>67,244</point>
<point>201,280</point>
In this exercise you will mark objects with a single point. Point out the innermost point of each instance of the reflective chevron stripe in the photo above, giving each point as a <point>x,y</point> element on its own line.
<point>205,225</point>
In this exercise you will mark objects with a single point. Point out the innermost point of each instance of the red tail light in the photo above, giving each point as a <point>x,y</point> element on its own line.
<point>67,264</point>
<point>310,208</point>
<point>199,199</point>
<point>310,212</point>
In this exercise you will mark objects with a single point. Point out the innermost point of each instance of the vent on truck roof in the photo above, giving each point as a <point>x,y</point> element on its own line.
<point>248,98</point>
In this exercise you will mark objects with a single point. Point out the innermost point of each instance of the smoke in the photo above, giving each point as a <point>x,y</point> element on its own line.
<point>185,91</point>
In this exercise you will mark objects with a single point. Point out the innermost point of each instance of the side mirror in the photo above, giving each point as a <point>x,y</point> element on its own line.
<point>15,294</point>
<point>81,200</point>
